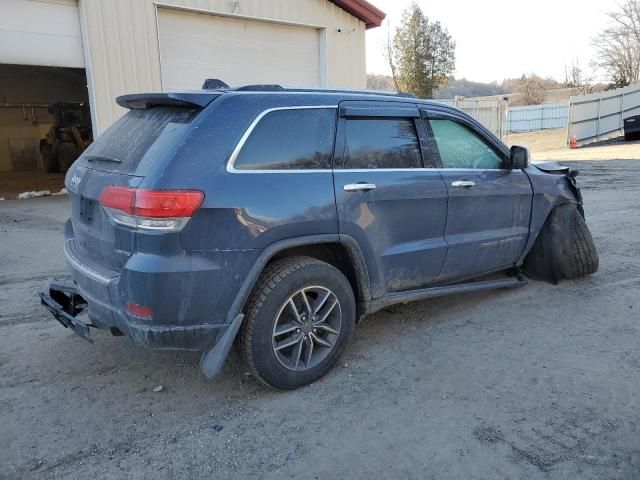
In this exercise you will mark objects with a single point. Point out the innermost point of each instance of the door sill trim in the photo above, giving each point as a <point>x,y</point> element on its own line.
<point>434,292</point>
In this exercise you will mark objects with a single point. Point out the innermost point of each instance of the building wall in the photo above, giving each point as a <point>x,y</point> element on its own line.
<point>122,54</point>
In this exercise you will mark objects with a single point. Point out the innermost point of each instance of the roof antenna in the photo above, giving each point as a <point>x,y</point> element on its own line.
<point>214,84</point>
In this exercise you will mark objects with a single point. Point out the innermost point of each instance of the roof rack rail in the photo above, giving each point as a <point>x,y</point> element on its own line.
<point>280,88</point>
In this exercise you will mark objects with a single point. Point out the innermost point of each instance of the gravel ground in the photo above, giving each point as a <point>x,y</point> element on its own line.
<point>539,382</point>
<point>552,145</point>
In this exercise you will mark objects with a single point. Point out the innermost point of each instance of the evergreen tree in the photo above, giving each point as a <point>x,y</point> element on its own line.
<point>422,56</point>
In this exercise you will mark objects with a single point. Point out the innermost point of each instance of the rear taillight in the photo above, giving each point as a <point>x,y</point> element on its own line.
<point>167,210</point>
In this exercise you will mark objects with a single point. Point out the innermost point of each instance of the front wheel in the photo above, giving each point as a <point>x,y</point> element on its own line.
<point>298,322</point>
<point>564,248</point>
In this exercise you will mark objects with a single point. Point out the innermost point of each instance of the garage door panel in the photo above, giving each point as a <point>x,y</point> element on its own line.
<point>199,24</point>
<point>288,57</point>
<point>40,33</point>
<point>175,74</point>
<point>176,45</point>
<point>197,46</point>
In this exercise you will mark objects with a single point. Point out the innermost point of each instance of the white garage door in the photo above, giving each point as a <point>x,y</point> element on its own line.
<point>40,33</point>
<point>195,46</point>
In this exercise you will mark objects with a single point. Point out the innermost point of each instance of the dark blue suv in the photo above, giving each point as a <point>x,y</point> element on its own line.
<point>277,218</point>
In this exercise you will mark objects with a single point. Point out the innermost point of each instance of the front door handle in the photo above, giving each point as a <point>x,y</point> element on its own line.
<point>359,187</point>
<point>463,184</point>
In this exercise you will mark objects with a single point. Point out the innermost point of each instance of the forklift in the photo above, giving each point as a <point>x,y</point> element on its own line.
<point>68,137</point>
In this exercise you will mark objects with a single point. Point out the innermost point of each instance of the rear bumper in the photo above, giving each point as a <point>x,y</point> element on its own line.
<point>163,337</point>
<point>65,302</point>
<point>185,318</point>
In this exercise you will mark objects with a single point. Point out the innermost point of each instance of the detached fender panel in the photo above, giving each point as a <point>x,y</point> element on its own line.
<point>553,185</point>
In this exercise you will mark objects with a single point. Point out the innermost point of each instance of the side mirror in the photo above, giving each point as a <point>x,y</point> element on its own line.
<point>519,157</point>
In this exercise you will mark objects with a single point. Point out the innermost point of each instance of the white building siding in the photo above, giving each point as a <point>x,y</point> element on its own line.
<point>195,46</point>
<point>123,55</point>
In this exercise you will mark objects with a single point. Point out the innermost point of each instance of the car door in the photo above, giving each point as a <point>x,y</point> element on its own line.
<point>387,201</point>
<point>489,207</point>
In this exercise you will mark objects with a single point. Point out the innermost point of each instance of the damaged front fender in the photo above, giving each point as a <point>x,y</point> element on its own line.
<point>569,174</point>
<point>553,185</point>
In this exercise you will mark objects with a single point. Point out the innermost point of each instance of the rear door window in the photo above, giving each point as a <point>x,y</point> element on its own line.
<point>292,139</point>
<point>382,143</point>
<point>141,134</point>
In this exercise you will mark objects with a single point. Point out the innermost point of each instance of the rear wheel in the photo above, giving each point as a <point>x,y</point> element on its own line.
<point>564,248</point>
<point>299,319</point>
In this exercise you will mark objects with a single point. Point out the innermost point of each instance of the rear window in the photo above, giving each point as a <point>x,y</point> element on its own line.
<point>292,139</point>
<point>135,141</point>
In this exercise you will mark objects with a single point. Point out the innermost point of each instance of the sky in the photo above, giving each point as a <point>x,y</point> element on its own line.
<point>498,39</point>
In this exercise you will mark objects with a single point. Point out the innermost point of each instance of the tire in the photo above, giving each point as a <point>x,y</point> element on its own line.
<point>269,311</point>
<point>67,154</point>
<point>564,248</point>
<point>49,160</point>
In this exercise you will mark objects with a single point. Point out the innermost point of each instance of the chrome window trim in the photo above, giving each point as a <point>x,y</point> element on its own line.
<point>236,151</point>
<point>422,169</point>
<point>230,168</point>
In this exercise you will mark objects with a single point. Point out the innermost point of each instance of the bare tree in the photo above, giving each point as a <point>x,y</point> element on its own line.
<point>576,77</point>
<point>531,90</point>
<point>618,46</point>
<point>379,82</point>
<point>390,57</point>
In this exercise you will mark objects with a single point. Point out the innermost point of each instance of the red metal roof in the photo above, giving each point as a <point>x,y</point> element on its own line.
<point>362,9</point>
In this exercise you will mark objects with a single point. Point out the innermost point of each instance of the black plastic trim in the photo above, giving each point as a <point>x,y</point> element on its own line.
<point>277,247</point>
<point>415,295</point>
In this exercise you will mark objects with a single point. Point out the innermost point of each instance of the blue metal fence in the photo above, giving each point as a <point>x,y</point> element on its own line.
<point>538,117</point>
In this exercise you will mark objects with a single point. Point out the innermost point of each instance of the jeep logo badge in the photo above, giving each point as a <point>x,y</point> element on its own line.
<point>75,180</point>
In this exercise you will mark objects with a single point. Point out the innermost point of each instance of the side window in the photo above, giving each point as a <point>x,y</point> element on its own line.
<point>382,143</point>
<point>461,147</point>
<point>295,139</point>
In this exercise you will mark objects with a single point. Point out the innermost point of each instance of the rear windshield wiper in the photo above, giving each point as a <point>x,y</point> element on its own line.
<point>101,158</point>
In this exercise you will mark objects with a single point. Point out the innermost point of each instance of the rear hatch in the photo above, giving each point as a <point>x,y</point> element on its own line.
<point>144,138</point>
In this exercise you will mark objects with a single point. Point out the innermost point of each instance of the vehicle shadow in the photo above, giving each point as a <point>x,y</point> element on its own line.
<point>133,370</point>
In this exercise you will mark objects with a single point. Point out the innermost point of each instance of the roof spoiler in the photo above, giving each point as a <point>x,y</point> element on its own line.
<point>177,99</point>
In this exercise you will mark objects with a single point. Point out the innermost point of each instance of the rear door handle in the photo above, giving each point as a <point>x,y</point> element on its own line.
<point>463,184</point>
<point>359,187</point>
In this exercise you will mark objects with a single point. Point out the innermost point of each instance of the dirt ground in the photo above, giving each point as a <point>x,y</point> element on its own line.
<point>541,382</point>
<point>552,145</point>
<point>14,183</point>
